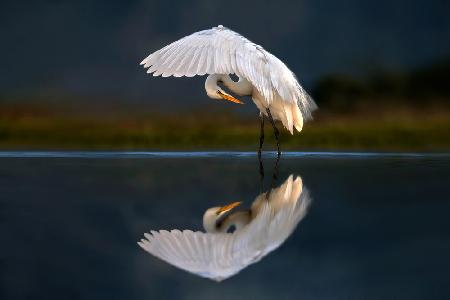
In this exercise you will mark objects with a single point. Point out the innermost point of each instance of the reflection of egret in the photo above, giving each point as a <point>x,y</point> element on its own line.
<point>219,52</point>
<point>218,254</point>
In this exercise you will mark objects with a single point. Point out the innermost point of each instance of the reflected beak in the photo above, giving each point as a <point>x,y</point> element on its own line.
<point>229,98</point>
<point>228,207</point>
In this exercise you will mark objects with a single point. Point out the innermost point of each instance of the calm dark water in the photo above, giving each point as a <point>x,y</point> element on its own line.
<point>378,226</point>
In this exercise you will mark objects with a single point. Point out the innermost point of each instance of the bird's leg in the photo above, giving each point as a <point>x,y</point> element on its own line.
<point>261,174</point>
<point>275,130</point>
<point>261,134</point>
<point>261,142</point>
<point>274,177</point>
<point>275,172</point>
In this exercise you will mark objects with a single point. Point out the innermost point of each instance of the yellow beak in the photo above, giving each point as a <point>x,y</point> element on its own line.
<point>228,207</point>
<point>229,98</point>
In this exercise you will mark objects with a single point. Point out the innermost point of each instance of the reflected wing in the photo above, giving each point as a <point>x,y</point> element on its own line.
<point>215,256</point>
<point>222,51</point>
<point>285,206</point>
<point>287,218</point>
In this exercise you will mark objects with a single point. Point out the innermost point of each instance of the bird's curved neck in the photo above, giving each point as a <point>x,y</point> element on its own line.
<point>214,224</point>
<point>242,87</point>
<point>210,220</point>
<point>238,219</point>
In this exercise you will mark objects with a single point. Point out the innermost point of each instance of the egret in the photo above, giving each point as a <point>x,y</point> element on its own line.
<point>220,253</point>
<point>221,52</point>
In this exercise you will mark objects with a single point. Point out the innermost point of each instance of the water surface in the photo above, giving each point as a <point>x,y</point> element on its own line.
<point>377,226</point>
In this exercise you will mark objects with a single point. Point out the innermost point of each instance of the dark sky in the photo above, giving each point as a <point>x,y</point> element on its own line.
<point>91,49</point>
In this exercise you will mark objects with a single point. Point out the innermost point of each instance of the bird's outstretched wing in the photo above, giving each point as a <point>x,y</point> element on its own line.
<point>222,51</point>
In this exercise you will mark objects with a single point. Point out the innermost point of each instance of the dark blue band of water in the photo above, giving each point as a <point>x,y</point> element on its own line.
<point>204,154</point>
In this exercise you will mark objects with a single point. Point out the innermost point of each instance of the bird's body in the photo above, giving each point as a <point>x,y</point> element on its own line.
<point>220,52</point>
<point>218,254</point>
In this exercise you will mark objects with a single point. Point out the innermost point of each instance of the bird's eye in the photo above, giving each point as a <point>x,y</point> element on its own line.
<point>231,229</point>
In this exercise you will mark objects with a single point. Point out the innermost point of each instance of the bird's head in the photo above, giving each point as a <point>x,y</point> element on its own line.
<point>212,215</point>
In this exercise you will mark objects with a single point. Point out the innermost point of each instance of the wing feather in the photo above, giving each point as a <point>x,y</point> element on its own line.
<point>222,51</point>
<point>212,256</point>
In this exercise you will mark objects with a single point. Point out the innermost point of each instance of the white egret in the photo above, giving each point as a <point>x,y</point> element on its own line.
<point>219,254</point>
<point>220,52</point>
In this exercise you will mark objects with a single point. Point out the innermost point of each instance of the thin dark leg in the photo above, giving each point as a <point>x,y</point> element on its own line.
<point>275,172</point>
<point>261,135</point>
<point>261,174</point>
<point>274,176</point>
<point>275,130</point>
<point>261,142</point>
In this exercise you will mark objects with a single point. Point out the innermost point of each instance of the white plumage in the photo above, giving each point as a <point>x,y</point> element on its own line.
<point>220,255</point>
<point>220,51</point>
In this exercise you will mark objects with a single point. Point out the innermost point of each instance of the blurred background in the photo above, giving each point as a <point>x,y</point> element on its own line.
<point>70,76</point>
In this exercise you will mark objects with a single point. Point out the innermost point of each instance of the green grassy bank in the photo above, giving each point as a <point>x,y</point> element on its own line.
<point>393,129</point>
